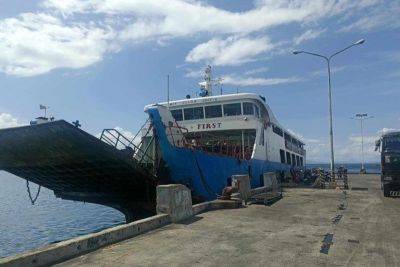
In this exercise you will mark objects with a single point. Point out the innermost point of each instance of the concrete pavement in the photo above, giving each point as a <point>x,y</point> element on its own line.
<point>290,232</point>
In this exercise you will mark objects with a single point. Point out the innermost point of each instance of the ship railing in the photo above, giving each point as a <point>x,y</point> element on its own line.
<point>116,139</point>
<point>178,138</point>
<point>294,148</point>
<point>177,134</point>
<point>222,148</point>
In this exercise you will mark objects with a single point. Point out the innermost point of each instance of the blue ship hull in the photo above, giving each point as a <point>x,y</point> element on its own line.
<point>204,173</point>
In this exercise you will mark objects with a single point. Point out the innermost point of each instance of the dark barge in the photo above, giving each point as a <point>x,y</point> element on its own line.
<point>78,166</point>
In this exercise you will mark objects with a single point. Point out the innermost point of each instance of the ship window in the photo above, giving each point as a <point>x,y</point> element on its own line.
<point>301,161</point>
<point>294,141</point>
<point>213,111</point>
<point>282,153</point>
<point>177,114</point>
<point>193,113</point>
<point>297,160</point>
<point>262,136</point>
<point>288,158</point>
<point>288,137</point>
<point>248,108</point>
<point>232,109</point>
<point>293,160</point>
<point>257,111</point>
<point>277,130</point>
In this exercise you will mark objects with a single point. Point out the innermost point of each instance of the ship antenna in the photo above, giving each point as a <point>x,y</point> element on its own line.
<point>45,109</point>
<point>207,84</point>
<point>218,82</point>
<point>208,79</point>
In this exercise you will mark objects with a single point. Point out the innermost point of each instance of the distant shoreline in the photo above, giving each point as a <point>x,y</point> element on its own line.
<point>340,163</point>
<point>372,168</point>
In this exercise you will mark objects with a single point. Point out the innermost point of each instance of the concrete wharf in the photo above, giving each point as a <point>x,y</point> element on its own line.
<point>306,227</point>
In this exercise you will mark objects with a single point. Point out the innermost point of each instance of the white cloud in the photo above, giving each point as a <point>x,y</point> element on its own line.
<point>127,134</point>
<point>194,73</point>
<point>33,44</point>
<point>351,151</point>
<point>324,71</point>
<point>295,134</point>
<point>256,71</point>
<point>308,35</point>
<point>383,16</point>
<point>231,51</point>
<point>245,79</point>
<point>178,17</point>
<point>253,81</point>
<point>130,135</point>
<point>317,151</point>
<point>7,121</point>
<point>78,33</point>
<point>347,151</point>
<point>68,7</point>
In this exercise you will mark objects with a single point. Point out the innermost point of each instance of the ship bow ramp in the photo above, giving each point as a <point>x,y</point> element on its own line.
<point>77,166</point>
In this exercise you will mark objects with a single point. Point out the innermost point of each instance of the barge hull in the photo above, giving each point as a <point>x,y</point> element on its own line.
<point>75,165</point>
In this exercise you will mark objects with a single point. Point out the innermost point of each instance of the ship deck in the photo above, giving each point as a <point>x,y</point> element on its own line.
<point>290,232</point>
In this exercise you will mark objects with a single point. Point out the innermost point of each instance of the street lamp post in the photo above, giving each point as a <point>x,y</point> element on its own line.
<point>328,61</point>
<point>361,117</point>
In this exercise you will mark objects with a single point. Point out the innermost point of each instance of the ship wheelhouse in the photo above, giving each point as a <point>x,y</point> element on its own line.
<point>236,125</point>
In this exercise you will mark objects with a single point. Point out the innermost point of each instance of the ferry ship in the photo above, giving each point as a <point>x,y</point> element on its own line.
<point>203,141</point>
<point>199,142</point>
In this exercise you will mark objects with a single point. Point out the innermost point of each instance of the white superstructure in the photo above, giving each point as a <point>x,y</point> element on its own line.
<point>240,125</point>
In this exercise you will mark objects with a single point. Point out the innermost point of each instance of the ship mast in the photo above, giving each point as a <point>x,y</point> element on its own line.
<point>208,80</point>
<point>207,84</point>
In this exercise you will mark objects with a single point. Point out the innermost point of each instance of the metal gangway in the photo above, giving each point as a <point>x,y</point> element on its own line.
<point>136,149</point>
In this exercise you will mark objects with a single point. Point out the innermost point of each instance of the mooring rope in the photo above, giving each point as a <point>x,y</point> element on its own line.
<point>33,200</point>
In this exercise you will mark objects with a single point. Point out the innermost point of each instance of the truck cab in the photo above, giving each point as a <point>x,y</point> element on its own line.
<point>389,146</point>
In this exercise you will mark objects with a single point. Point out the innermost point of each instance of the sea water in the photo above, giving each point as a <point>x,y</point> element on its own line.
<point>24,226</point>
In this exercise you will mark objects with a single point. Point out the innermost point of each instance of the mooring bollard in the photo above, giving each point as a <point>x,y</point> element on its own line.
<point>242,182</point>
<point>174,200</point>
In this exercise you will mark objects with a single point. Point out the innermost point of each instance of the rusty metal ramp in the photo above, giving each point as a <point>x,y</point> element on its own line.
<point>76,165</point>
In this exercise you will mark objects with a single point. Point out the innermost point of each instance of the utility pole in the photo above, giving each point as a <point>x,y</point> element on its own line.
<point>361,117</point>
<point>328,61</point>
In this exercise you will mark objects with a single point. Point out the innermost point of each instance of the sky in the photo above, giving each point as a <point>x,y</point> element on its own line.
<point>101,62</point>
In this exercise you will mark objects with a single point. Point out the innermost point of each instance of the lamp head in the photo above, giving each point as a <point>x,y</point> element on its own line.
<point>296,52</point>
<point>361,41</point>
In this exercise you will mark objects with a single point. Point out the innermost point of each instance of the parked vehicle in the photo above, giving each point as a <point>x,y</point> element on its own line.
<point>389,146</point>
